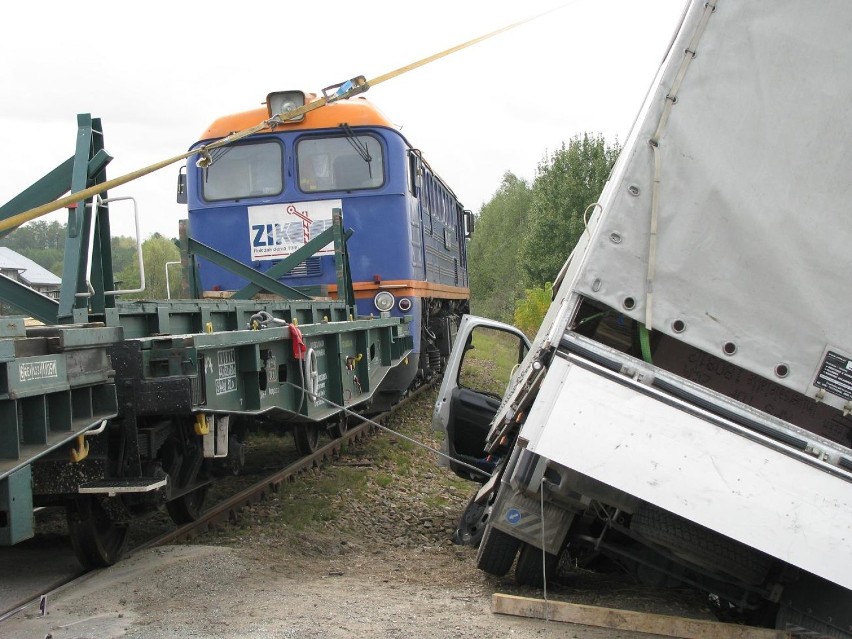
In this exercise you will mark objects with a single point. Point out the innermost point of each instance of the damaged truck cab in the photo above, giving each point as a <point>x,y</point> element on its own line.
<point>684,410</point>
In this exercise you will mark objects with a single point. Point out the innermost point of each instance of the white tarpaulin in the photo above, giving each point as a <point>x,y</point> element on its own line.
<point>753,251</point>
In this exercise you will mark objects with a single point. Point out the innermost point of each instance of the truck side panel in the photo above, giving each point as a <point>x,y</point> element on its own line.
<point>634,438</point>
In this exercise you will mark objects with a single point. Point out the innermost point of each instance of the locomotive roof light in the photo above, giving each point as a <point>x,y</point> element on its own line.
<point>283,101</point>
<point>404,304</point>
<point>383,301</point>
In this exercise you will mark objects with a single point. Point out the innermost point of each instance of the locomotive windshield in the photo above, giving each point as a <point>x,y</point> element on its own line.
<point>340,163</point>
<point>244,170</point>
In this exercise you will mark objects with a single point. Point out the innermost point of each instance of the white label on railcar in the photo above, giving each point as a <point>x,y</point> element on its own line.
<point>322,378</point>
<point>30,371</point>
<point>271,368</point>
<point>278,230</point>
<point>226,381</point>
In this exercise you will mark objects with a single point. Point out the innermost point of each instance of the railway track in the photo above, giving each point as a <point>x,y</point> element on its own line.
<point>222,513</point>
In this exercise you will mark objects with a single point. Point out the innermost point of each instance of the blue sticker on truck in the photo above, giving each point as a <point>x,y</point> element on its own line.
<point>513,516</point>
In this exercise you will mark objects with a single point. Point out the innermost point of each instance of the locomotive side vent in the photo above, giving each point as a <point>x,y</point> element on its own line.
<point>310,267</point>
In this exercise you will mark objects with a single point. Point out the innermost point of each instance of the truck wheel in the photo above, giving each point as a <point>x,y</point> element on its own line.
<point>497,552</point>
<point>528,572</point>
<point>701,546</point>
<point>472,523</point>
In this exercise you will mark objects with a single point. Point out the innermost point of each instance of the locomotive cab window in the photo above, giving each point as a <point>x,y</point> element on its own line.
<point>340,163</point>
<point>244,170</point>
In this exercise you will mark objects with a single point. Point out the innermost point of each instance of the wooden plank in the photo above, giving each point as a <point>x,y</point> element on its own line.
<point>614,618</point>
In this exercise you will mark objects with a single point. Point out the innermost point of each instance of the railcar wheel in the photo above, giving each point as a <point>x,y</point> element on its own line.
<point>183,467</point>
<point>97,540</point>
<point>306,437</point>
<point>341,426</point>
<point>188,507</point>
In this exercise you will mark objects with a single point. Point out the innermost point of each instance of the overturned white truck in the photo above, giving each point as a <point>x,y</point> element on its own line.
<point>685,407</point>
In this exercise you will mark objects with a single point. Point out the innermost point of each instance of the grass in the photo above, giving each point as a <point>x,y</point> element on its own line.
<point>383,480</point>
<point>436,501</point>
<point>488,366</point>
<point>301,504</point>
<point>384,472</point>
<point>459,484</point>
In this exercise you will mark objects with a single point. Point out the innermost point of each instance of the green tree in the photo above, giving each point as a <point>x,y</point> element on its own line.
<point>566,184</point>
<point>44,243</point>
<point>495,280</point>
<point>156,252</point>
<point>123,254</point>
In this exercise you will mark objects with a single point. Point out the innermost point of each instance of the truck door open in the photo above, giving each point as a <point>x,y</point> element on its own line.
<point>483,359</point>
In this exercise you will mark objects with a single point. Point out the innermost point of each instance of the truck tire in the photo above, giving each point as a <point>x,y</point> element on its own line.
<point>497,552</point>
<point>701,546</point>
<point>528,572</point>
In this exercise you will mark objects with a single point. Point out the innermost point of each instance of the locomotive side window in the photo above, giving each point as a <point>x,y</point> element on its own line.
<point>244,170</point>
<point>415,172</point>
<point>340,163</point>
<point>428,201</point>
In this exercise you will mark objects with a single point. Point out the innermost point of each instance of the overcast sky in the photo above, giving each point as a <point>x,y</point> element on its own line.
<point>159,73</point>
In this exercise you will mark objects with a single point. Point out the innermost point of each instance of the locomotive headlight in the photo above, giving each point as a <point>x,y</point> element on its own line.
<point>284,101</point>
<point>383,301</point>
<point>404,304</point>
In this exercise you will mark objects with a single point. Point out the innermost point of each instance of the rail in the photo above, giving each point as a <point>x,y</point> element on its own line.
<point>225,511</point>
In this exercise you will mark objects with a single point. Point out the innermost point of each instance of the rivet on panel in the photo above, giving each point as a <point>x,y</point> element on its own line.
<point>633,190</point>
<point>782,370</point>
<point>629,303</point>
<point>596,285</point>
<point>729,348</point>
<point>615,238</point>
<point>678,326</point>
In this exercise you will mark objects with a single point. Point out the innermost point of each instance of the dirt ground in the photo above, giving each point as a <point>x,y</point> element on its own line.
<point>359,548</point>
<point>214,591</point>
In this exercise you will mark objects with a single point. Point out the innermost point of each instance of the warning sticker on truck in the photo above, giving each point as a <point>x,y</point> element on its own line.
<point>835,375</point>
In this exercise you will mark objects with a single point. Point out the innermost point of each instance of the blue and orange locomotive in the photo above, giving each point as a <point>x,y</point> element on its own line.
<point>260,199</point>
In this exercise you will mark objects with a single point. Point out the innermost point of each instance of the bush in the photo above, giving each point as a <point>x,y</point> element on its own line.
<point>530,309</point>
